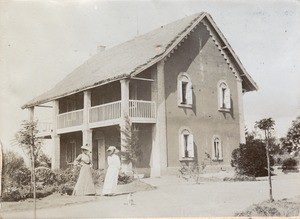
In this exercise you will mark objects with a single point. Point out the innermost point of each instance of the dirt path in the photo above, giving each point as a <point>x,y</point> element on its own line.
<point>177,199</point>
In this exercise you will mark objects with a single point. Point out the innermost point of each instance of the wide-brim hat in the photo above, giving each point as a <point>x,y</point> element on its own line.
<point>111,148</point>
<point>85,147</point>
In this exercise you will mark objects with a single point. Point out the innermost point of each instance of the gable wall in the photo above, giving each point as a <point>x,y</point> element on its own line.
<point>200,59</point>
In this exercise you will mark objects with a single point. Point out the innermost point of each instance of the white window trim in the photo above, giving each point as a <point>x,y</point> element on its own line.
<point>221,100</point>
<point>183,77</point>
<point>213,157</point>
<point>182,131</point>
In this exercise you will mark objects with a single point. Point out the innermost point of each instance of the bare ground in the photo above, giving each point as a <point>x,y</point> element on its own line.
<point>176,197</point>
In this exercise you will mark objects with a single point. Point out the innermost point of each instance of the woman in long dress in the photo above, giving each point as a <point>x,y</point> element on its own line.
<point>84,184</point>
<point>111,178</point>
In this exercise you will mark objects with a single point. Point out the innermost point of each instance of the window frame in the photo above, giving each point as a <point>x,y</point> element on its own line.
<point>184,98</point>
<point>71,151</point>
<point>184,143</point>
<point>220,148</point>
<point>224,97</point>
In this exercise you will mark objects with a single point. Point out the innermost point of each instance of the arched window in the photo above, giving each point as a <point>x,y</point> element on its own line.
<point>224,96</point>
<point>186,144</point>
<point>217,148</point>
<point>185,92</point>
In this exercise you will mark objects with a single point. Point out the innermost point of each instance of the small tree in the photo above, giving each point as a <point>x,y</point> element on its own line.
<point>267,125</point>
<point>31,145</point>
<point>132,153</point>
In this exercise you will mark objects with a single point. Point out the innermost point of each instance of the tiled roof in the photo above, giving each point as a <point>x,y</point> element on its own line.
<point>125,59</point>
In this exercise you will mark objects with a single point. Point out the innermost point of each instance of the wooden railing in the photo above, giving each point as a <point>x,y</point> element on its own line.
<point>70,119</point>
<point>105,112</point>
<point>141,109</point>
<point>109,113</point>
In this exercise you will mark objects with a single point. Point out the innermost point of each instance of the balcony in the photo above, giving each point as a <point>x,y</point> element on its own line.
<point>105,114</point>
<point>110,114</point>
<point>70,121</point>
<point>140,111</point>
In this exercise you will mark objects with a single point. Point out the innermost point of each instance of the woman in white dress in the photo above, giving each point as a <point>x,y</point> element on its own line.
<point>111,178</point>
<point>84,184</point>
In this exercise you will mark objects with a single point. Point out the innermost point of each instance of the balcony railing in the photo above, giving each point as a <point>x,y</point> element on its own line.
<point>108,111</point>
<point>142,109</point>
<point>108,114</point>
<point>70,119</point>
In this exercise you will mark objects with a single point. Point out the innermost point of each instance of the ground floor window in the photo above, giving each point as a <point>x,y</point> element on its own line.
<point>71,152</point>
<point>186,144</point>
<point>217,148</point>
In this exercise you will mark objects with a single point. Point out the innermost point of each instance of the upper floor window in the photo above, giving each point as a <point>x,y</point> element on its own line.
<point>217,148</point>
<point>224,96</point>
<point>186,144</point>
<point>185,92</point>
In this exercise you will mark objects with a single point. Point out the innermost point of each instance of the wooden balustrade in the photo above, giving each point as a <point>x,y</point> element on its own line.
<point>105,112</point>
<point>108,114</point>
<point>70,119</point>
<point>141,109</point>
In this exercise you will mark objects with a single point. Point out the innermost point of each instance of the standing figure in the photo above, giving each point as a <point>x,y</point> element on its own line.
<point>111,178</point>
<point>85,184</point>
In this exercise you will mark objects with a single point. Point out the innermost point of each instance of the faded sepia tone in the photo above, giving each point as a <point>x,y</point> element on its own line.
<point>190,81</point>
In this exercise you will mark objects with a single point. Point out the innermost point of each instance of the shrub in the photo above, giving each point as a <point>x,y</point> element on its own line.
<point>239,178</point>
<point>66,189</point>
<point>280,208</point>
<point>98,176</point>
<point>21,176</point>
<point>10,195</point>
<point>43,160</point>
<point>67,175</point>
<point>289,164</point>
<point>191,170</point>
<point>124,178</point>
<point>258,210</point>
<point>45,175</point>
<point>42,192</point>
<point>14,172</point>
<point>250,158</point>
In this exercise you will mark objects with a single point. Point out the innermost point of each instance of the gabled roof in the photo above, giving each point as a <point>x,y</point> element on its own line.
<point>134,56</point>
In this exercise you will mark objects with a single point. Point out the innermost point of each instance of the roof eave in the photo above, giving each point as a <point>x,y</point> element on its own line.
<point>252,86</point>
<point>109,80</point>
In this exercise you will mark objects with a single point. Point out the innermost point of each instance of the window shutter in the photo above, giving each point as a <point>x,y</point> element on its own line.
<point>179,88</point>
<point>221,98</point>
<point>190,146</point>
<point>227,99</point>
<point>214,150</point>
<point>181,146</point>
<point>189,93</point>
<point>220,151</point>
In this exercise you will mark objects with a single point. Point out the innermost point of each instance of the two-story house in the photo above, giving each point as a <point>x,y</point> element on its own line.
<point>181,85</point>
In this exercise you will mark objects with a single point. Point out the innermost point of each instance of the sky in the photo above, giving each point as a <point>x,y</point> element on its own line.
<point>43,41</point>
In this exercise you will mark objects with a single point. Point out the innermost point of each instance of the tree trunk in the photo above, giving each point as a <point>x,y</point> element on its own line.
<point>269,172</point>
<point>33,181</point>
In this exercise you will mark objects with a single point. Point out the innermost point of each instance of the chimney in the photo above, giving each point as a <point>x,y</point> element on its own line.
<point>100,48</point>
